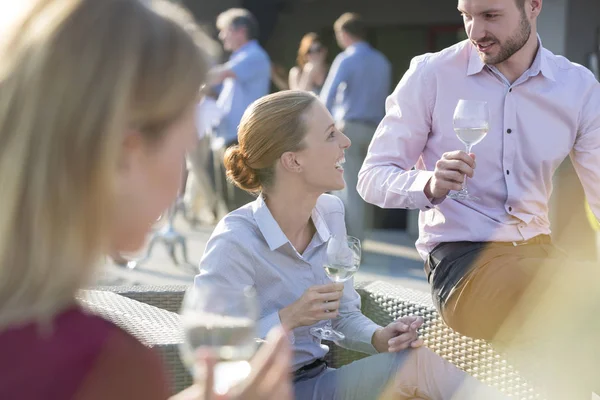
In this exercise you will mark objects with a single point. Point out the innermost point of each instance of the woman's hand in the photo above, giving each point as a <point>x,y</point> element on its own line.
<point>318,303</point>
<point>270,378</point>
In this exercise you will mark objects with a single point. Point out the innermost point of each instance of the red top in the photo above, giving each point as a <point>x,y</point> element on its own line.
<point>83,357</point>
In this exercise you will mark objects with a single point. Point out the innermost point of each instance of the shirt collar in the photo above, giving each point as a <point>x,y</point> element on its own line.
<point>540,63</point>
<point>272,232</point>
<point>267,225</point>
<point>357,46</point>
<point>320,225</point>
<point>245,46</point>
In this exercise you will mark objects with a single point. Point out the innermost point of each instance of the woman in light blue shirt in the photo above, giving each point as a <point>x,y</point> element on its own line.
<point>290,153</point>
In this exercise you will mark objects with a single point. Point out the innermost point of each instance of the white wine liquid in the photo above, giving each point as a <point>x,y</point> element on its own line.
<point>471,136</point>
<point>230,339</point>
<point>340,273</point>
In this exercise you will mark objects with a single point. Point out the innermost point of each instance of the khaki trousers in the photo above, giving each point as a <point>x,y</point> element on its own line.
<point>536,306</point>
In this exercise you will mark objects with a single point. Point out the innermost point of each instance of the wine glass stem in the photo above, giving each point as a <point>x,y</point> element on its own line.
<point>468,148</point>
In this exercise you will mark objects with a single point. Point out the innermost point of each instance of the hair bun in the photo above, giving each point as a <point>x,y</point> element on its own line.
<point>239,172</point>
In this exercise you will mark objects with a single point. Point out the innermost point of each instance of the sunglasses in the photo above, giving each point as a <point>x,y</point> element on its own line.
<point>315,49</point>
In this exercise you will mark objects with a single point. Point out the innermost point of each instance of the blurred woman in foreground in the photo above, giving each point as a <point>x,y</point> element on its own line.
<point>97,110</point>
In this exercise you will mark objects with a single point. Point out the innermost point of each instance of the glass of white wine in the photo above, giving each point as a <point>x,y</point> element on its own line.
<point>471,124</point>
<point>222,321</point>
<point>341,263</point>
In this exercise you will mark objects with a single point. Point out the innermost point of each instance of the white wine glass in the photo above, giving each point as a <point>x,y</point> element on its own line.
<point>471,124</point>
<point>341,263</point>
<point>222,321</point>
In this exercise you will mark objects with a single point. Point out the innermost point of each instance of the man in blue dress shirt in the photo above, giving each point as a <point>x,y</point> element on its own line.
<point>355,91</point>
<point>244,78</point>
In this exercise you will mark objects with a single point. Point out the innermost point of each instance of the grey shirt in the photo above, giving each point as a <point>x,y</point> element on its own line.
<point>248,248</point>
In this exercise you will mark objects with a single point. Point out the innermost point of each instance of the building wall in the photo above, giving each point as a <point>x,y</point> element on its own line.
<point>302,17</point>
<point>574,24</point>
<point>206,11</point>
<point>583,22</point>
<point>552,25</point>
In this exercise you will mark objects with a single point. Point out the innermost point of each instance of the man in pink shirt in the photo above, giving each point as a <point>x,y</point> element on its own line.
<point>485,258</point>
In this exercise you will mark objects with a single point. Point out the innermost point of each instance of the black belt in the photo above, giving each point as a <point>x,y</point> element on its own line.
<point>315,364</point>
<point>449,263</point>
<point>456,249</point>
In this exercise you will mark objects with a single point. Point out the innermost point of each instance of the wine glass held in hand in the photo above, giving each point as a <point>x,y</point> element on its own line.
<point>222,321</point>
<point>341,263</point>
<point>471,124</point>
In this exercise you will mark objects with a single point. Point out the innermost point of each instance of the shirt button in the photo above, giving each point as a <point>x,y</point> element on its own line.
<point>510,90</point>
<point>507,172</point>
<point>427,207</point>
<point>509,208</point>
<point>509,130</point>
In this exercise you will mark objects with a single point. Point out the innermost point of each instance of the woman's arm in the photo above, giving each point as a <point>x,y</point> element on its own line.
<point>294,77</point>
<point>357,328</point>
<point>229,262</point>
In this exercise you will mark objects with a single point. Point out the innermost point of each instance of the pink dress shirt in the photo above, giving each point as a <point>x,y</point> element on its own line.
<point>550,112</point>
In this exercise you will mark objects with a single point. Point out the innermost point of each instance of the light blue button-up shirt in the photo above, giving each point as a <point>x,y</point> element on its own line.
<point>357,85</point>
<point>248,248</point>
<point>252,68</point>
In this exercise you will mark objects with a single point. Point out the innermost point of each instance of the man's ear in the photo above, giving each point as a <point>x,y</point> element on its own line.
<point>290,162</point>
<point>536,7</point>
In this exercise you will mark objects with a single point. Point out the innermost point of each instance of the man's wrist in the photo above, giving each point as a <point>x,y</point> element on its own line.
<point>427,191</point>
<point>284,317</point>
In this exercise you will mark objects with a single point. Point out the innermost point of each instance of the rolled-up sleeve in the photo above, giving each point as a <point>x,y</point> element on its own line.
<point>228,263</point>
<point>248,65</point>
<point>386,178</point>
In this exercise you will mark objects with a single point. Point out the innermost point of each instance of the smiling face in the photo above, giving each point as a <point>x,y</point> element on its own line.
<point>497,28</point>
<point>322,156</point>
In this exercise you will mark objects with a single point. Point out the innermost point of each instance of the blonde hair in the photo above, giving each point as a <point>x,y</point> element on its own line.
<point>271,126</point>
<point>75,75</point>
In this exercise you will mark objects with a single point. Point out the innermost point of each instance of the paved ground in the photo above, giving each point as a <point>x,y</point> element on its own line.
<point>387,255</point>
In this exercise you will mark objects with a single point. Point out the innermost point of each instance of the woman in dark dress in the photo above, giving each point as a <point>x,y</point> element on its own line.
<point>97,110</point>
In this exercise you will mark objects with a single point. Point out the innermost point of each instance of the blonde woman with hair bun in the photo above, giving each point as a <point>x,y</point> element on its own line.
<point>97,111</point>
<point>290,154</point>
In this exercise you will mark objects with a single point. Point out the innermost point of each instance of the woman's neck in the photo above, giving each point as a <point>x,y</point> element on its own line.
<point>292,209</point>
